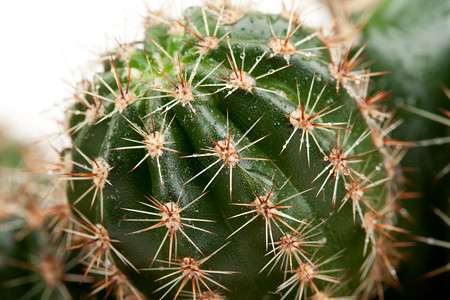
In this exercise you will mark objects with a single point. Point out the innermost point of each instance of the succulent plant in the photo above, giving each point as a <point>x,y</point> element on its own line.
<point>398,32</point>
<point>229,154</point>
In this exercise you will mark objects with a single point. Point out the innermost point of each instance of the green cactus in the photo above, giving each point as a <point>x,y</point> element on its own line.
<point>228,155</point>
<point>409,39</point>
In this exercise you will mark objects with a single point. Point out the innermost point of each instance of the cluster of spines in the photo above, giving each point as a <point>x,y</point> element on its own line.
<point>99,253</point>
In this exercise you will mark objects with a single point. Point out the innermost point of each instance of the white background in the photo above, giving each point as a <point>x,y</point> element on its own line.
<point>46,46</point>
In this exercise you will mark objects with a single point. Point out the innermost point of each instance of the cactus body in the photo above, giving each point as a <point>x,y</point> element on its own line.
<point>241,143</point>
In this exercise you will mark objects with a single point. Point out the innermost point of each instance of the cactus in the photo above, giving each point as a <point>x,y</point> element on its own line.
<point>228,155</point>
<point>419,76</point>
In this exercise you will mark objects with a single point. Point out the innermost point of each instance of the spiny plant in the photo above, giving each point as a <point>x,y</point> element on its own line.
<point>229,154</point>
<point>398,32</point>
